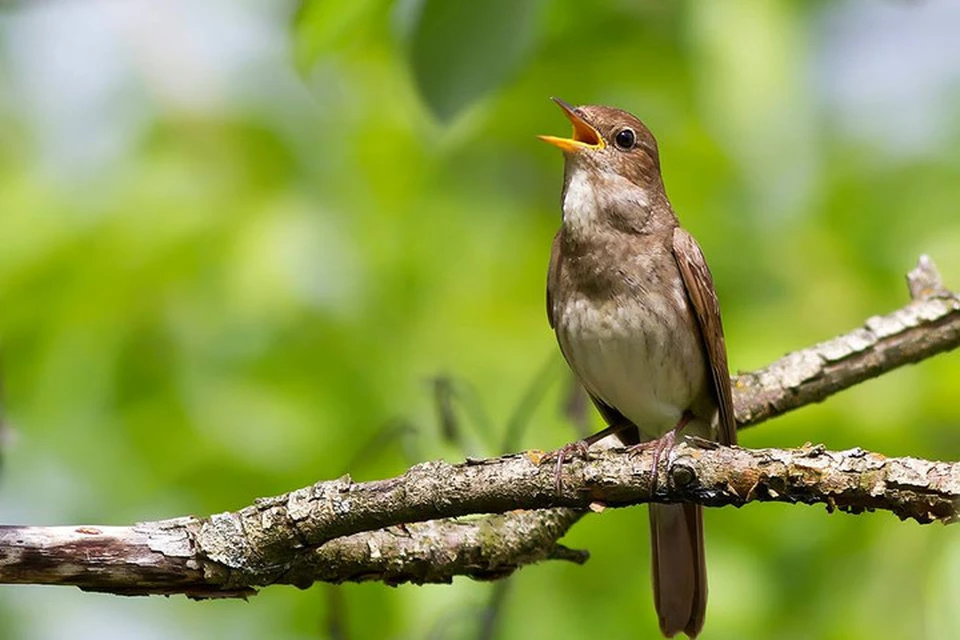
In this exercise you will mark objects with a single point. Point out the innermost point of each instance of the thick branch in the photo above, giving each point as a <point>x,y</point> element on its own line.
<point>400,529</point>
<point>171,556</point>
<point>288,539</point>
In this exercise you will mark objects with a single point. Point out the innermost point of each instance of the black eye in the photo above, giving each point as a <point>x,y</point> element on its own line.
<point>625,139</point>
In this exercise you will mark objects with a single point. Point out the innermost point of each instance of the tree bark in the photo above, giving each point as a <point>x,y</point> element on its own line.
<point>419,527</point>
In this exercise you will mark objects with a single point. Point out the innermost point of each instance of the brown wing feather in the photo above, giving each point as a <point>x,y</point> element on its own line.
<point>706,309</point>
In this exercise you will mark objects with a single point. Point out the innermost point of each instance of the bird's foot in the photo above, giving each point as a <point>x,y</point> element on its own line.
<point>664,443</point>
<point>580,449</point>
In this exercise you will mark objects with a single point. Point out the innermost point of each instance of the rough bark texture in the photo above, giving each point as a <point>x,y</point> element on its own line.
<point>187,555</point>
<point>404,529</point>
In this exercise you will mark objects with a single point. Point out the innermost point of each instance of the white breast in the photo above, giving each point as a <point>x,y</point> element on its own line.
<point>633,357</point>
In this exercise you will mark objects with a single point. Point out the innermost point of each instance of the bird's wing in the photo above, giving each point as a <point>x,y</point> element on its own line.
<point>706,309</point>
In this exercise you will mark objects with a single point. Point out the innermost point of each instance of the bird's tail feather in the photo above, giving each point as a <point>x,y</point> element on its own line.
<point>679,570</point>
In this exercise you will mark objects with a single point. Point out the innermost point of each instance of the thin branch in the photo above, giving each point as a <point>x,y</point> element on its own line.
<point>929,325</point>
<point>400,529</point>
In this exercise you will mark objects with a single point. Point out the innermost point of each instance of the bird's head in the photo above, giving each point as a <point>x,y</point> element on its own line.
<point>609,141</point>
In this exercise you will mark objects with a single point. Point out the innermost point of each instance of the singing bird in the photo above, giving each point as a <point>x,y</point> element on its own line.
<point>633,305</point>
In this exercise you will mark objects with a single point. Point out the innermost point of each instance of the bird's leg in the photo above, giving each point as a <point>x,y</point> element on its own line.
<point>578,448</point>
<point>665,442</point>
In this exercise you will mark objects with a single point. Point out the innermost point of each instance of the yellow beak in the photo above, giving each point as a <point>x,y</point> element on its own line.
<point>584,135</point>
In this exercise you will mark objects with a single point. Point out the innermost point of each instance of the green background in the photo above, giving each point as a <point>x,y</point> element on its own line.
<point>238,242</point>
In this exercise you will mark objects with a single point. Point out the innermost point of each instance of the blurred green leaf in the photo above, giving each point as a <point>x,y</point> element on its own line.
<point>324,26</point>
<point>460,51</point>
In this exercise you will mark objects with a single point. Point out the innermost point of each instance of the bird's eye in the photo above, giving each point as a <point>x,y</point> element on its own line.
<point>625,139</point>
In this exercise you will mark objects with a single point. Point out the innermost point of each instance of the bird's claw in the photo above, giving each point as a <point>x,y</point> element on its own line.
<point>665,443</point>
<point>578,449</point>
<point>662,444</point>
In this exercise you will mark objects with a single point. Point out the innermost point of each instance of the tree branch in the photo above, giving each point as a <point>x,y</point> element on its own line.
<point>929,325</point>
<point>187,555</point>
<point>401,529</point>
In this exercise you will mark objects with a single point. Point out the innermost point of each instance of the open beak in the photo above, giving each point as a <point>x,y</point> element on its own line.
<point>584,135</point>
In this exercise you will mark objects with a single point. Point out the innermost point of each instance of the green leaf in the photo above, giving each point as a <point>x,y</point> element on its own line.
<point>462,49</point>
<point>323,26</point>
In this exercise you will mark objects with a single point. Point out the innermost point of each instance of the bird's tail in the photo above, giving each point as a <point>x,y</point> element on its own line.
<point>679,569</point>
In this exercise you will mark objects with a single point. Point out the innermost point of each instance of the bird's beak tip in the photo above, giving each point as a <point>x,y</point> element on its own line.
<point>585,135</point>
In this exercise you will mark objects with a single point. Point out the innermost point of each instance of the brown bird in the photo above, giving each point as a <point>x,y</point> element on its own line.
<point>633,305</point>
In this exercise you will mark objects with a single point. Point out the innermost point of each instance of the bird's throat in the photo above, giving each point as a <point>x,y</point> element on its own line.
<point>580,206</point>
<point>597,201</point>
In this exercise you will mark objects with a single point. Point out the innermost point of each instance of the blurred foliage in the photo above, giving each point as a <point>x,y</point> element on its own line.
<point>241,246</point>
<point>459,51</point>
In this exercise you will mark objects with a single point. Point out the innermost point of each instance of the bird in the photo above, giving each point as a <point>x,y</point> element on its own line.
<point>636,315</point>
